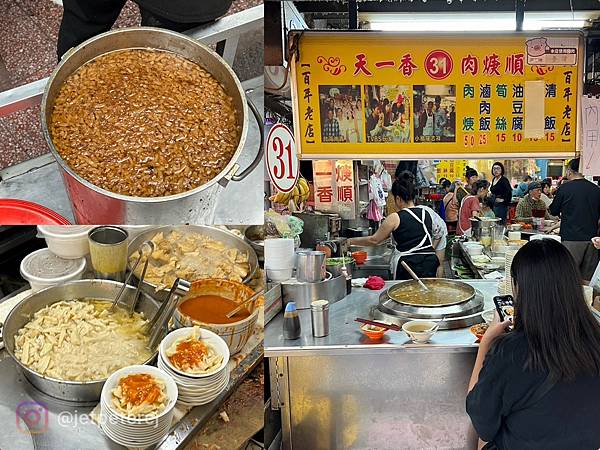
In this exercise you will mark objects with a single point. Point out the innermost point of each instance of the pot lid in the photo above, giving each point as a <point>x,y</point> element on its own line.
<point>21,212</point>
<point>63,231</point>
<point>45,265</point>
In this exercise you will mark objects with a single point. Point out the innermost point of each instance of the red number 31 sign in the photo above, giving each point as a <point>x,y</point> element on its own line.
<point>282,159</point>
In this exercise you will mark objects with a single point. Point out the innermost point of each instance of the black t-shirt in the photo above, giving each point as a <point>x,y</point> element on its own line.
<point>502,189</point>
<point>578,203</point>
<point>563,419</point>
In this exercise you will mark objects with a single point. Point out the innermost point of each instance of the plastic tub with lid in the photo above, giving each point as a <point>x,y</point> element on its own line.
<point>43,269</point>
<point>69,242</point>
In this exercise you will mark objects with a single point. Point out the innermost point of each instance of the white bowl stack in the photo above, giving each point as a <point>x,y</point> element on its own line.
<point>506,284</point>
<point>280,259</point>
<point>133,432</point>
<point>196,389</point>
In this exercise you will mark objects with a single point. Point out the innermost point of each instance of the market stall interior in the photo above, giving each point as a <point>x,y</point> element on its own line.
<point>149,361</point>
<point>393,172</point>
<point>129,145</point>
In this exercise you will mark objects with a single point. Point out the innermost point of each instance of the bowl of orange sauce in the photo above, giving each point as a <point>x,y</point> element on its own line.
<point>207,304</point>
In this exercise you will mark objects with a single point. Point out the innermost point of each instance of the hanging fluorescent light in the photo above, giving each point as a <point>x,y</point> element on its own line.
<point>451,25</point>
<point>533,25</point>
<point>501,21</point>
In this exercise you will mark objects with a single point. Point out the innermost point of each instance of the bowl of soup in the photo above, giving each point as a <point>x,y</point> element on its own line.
<point>207,305</point>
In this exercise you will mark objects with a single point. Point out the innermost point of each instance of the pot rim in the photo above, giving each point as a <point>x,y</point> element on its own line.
<point>227,172</point>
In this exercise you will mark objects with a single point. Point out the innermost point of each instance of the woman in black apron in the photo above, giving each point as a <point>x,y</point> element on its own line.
<point>411,229</point>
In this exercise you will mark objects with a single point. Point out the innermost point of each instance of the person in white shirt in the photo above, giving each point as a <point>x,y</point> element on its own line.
<point>439,233</point>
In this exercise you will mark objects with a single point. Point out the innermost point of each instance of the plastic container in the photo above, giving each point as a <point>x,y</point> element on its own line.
<point>69,242</point>
<point>43,269</point>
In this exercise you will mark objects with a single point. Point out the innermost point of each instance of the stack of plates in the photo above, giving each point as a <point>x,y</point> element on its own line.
<point>133,432</point>
<point>506,284</point>
<point>196,389</point>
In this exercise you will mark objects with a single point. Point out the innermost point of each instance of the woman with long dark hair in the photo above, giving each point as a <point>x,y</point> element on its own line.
<point>501,190</point>
<point>538,386</point>
<point>412,230</point>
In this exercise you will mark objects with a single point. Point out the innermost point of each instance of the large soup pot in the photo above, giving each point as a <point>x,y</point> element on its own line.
<point>227,238</point>
<point>235,334</point>
<point>94,205</point>
<point>77,391</point>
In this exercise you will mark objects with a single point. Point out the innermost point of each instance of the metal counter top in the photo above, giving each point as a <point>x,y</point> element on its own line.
<point>345,337</point>
<point>68,425</point>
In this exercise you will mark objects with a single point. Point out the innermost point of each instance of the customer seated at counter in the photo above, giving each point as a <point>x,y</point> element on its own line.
<point>538,386</point>
<point>471,206</point>
<point>411,228</point>
<point>531,201</point>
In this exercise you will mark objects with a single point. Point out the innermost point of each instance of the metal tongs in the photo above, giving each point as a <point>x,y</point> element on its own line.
<point>155,328</point>
<point>145,249</point>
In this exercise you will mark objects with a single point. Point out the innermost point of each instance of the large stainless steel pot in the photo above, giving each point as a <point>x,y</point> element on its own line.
<point>460,312</point>
<point>227,238</point>
<point>98,289</point>
<point>94,205</point>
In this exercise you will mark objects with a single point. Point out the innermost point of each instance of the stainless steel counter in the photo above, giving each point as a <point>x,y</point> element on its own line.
<point>344,391</point>
<point>346,339</point>
<point>66,425</point>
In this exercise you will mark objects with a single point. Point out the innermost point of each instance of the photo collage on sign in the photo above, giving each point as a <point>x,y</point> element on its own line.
<point>388,112</point>
<point>341,116</point>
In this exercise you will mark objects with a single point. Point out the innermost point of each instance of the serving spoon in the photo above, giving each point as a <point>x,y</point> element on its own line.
<point>414,275</point>
<point>239,307</point>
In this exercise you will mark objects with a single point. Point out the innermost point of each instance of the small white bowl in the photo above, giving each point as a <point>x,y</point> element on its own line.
<point>214,339</point>
<point>419,337</point>
<point>488,315</point>
<point>475,250</point>
<point>113,381</point>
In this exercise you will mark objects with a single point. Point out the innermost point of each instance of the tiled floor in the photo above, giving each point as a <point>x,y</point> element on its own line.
<point>28,34</point>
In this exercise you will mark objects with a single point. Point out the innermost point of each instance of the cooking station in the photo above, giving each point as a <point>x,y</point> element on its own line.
<point>31,179</point>
<point>346,391</point>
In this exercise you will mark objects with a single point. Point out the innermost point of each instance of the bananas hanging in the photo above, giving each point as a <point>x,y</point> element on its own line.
<point>298,195</point>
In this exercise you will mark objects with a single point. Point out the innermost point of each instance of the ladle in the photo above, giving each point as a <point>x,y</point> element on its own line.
<point>239,307</point>
<point>414,275</point>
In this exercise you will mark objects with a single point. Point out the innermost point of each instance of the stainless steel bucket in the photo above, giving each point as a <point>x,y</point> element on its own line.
<point>310,266</point>
<point>94,205</point>
<point>77,391</point>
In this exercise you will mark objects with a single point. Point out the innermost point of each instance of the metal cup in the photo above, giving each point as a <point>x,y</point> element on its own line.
<point>310,266</point>
<point>108,251</point>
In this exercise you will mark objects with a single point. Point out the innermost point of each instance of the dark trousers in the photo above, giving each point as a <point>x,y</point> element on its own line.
<point>83,19</point>
<point>586,257</point>
<point>501,211</point>
<point>425,266</point>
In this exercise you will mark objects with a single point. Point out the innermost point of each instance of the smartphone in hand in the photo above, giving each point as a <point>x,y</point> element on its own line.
<point>505,307</point>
